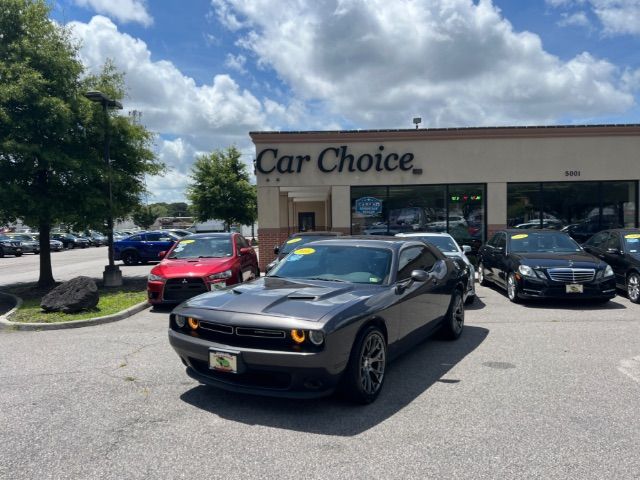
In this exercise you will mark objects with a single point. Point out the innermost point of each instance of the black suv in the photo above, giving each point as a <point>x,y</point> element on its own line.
<point>620,248</point>
<point>543,264</point>
<point>9,246</point>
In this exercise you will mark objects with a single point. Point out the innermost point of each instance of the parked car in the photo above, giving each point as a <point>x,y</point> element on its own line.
<point>200,263</point>
<point>54,245</point>
<point>96,239</point>
<point>28,243</point>
<point>296,241</point>
<point>143,247</point>
<point>447,245</point>
<point>543,264</point>
<point>330,314</point>
<point>180,232</point>
<point>620,248</point>
<point>70,241</point>
<point>9,246</point>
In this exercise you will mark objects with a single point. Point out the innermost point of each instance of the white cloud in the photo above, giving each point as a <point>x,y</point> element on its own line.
<point>122,10</point>
<point>618,17</point>
<point>578,19</point>
<point>236,62</point>
<point>454,62</point>
<point>201,117</point>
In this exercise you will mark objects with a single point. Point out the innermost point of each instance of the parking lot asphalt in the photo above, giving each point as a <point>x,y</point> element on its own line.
<point>533,391</point>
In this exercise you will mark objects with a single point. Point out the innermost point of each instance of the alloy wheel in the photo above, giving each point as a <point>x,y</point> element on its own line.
<point>457,319</point>
<point>372,363</point>
<point>633,287</point>
<point>512,292</point>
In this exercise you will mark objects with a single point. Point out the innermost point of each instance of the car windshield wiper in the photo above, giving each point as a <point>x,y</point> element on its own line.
<point>328,279</point>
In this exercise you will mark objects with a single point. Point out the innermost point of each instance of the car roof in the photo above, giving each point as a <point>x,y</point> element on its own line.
<point>211,235</point>
<point>622,230</point>
<point>366,241</point>
<point>424,234</point>
<point>527,231</point>
<point>318,234</point>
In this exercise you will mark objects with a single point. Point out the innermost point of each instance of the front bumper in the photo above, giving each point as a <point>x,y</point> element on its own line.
<point>156,289</point>
<point>12,250</point>
<point>262,372</point>
<point>542,288</point>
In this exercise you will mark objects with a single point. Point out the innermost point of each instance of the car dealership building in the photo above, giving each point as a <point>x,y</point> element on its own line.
<point>465,181</point>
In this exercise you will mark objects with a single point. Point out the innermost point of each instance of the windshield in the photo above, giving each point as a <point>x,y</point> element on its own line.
<point>338,263</point>
<point>296,242</point>
<point>21,237</point>
<point>542,242</point>
<point>202,248</point>
<point>444,244</point>
<point>632,242</point>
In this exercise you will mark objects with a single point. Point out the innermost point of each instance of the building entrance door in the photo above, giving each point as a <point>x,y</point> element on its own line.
<point>306,221</point>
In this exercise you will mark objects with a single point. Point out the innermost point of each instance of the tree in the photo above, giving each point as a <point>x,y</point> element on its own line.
<point>51,137</point>
<point>146,216</point>
<point>220,188</point>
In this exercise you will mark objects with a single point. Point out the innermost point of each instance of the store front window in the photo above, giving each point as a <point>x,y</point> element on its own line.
<point>578,208</point>
<point>457,209</point>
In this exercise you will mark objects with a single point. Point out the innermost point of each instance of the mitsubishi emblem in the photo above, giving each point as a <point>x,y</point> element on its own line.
<point>184,280</point>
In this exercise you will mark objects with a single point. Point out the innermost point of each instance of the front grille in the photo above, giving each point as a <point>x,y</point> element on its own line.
<point>259,332</point>
<point>179,289</point>
<point>571,275</point>
<point>216,327</point>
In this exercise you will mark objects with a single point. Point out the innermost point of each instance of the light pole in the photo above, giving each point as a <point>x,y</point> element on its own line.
<point>112,276</point>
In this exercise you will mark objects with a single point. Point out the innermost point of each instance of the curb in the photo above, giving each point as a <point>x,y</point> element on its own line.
<point>8,325</point>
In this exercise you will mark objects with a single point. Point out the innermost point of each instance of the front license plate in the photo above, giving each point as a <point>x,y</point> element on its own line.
<point>223,362</point>
<point>575,288</point>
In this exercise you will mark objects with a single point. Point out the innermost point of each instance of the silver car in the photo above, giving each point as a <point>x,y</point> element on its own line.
<point>28,242</point>
<point>447,245</point>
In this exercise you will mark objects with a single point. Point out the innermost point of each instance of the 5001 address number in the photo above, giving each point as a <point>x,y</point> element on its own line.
<point>572,173</point>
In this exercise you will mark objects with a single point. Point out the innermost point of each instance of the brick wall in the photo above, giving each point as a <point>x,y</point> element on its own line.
<point>269,238</point>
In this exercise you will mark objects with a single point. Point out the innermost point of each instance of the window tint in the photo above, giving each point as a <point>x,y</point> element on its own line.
<point>242,242</point>
<point>598,240</point>
<point>614,241</point>
<point>494,240</point>
<point>414,258</point>
<point>135,238</point>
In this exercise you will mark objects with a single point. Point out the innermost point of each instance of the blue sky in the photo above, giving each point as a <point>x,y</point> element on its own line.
<point>206,72</point>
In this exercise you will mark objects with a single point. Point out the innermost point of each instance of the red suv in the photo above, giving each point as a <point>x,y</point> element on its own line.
<point>200,263</point>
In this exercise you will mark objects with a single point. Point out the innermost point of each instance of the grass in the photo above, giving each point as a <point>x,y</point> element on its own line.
<point>112,300</point>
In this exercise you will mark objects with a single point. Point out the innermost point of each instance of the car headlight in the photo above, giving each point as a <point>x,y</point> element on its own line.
<point>180,321</point>
<point>527,271</point>
<point>155,278</point>
<point>221,275</point>
<point>316,337</point>
<point>608,271</point>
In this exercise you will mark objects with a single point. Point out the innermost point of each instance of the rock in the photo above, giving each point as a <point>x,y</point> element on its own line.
<point>80,293</point>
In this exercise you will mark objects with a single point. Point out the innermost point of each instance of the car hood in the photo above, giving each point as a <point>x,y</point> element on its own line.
<point>171,268</point>
<point>559,260</point>
<point>281,297</point>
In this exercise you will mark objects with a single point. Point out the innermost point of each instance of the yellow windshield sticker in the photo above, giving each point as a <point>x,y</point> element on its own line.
<point>632,235</point>
<point>304,251</point>
<point>184,242</point>
<point>374,280</point>
<point>293,240</point>
<point>519,236</point>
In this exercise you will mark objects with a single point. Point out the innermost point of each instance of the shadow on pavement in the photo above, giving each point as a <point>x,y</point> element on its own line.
<point>477,304</point>
<point>407,378</point>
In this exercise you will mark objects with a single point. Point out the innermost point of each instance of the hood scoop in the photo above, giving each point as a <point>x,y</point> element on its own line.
<point>301,296</point>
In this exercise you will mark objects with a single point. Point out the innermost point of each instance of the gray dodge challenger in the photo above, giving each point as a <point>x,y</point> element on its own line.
<point>329,316</point>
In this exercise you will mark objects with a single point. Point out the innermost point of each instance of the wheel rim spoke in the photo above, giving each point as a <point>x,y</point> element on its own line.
<point>372,364</point>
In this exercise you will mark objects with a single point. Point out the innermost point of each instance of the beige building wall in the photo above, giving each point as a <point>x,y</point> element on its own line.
<point>492,156</point>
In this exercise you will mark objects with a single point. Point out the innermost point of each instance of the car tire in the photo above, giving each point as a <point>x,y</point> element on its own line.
<point>1,253</point>
<point>513,291</point>
<point>17,254</point>
<point>633,287</point>
<point>36,252</point>
<point>482,280</point>
<point>130,258</point>
<point>360,383</point>
<point>453,323</point>
<point>70,245</point>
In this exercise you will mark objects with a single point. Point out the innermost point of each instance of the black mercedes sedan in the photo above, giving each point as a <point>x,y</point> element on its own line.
<point>296,241</point>
<point>543,264</point>
<point>330,315</point>
<point>620,248</point>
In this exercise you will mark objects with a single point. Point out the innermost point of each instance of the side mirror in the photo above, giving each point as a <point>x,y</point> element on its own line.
<point>245,250</point>
<point>500,249</point>
<point>162,254</point>
<point>276,250</point>
<point>613,251</point>
<point>419,276</point>
<point>466,248</point>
